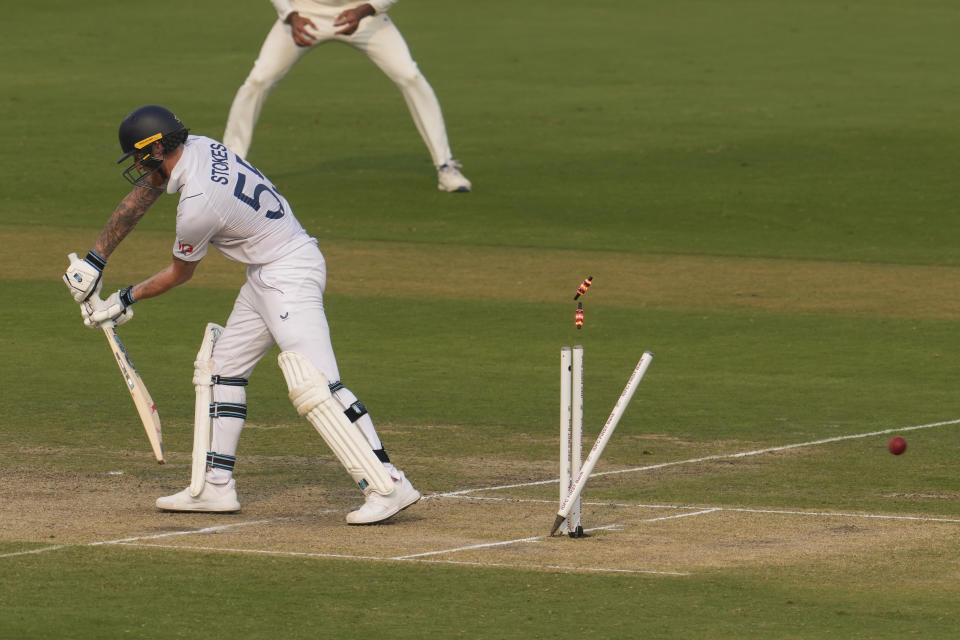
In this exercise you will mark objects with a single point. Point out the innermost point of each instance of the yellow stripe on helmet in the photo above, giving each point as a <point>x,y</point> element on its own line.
<point>146,141</point>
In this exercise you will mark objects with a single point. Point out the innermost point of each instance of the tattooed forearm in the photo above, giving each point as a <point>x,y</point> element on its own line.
<point>125,217</point>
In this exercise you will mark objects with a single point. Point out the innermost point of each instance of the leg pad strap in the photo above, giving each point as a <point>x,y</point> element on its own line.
<point>221,461</point>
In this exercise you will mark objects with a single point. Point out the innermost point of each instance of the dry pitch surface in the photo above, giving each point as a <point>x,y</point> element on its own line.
<point>503,523</point>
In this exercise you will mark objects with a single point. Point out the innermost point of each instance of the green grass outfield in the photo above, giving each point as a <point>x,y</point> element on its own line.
<point>765,193</point>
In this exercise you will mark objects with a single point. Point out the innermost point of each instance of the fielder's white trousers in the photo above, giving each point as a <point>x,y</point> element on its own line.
<point>281,303</point>
<point>378,38</point>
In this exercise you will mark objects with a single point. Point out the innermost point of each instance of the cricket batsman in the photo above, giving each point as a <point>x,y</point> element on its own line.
<point>228,204</point>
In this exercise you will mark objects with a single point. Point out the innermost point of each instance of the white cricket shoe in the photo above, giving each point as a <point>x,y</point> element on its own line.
<point>378,508</point>
<point>450,179</point>
<point>215,498</point>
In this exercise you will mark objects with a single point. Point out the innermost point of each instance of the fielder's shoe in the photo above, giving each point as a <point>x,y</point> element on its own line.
<point>217,498</point>
<point>450,179</point>
<point>378,508</point>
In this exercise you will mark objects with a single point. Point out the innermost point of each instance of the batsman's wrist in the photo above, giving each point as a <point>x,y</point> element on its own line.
<point>126,296</point>
<point>95,260</point>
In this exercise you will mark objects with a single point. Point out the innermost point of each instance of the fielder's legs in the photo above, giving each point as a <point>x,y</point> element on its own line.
<point>277,56</point>
<point>382,42</point>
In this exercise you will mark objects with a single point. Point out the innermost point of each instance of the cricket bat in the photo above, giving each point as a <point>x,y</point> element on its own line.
<point>138,391</point>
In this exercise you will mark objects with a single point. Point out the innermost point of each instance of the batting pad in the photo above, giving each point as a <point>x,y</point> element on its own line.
<point>310,395</point>
<point>202,382</point>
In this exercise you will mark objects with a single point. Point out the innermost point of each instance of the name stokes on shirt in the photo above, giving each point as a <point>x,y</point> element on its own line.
<point>243,216</point>
<point>219,167</point>
<point>220,173</point>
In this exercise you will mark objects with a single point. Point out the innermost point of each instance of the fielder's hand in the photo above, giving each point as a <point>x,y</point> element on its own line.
<point>83,276</point>
<point>112,312</point>
<point>300,30</point>
<point>349,20</point>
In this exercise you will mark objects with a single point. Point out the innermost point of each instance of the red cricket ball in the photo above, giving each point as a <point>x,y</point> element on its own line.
<point>897,445</point>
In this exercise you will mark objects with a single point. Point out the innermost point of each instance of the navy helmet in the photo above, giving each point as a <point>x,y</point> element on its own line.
<point>139,130</point>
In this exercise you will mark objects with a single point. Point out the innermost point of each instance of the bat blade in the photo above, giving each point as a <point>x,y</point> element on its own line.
<point>138,391</point>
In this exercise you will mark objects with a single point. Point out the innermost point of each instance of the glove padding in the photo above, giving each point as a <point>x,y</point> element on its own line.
<point>83,276</point>
<point>112,312</point>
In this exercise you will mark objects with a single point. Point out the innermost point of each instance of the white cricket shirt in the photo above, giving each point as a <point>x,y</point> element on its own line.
<point>227,203</point>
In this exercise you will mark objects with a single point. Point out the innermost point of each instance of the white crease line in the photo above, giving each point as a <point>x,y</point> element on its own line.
<point>681,515</point>
<point>264,552</point>
<point>607,527</point>
<point>221,527</point>
<point>742,454</point>
<point>153,537</point>
<point>24,553</point>
<point>336,556</point>
<point>484,545</point>
<point>501,543</point>
<point>450,494</point>
<point>630,505</point>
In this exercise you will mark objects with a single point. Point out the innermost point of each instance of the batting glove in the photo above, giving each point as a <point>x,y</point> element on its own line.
<point>114,311</point>
<point>83,276</point>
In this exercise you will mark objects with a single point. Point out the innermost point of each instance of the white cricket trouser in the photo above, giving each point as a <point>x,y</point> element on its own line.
<point>280,303</point>
<point>378,38</point>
